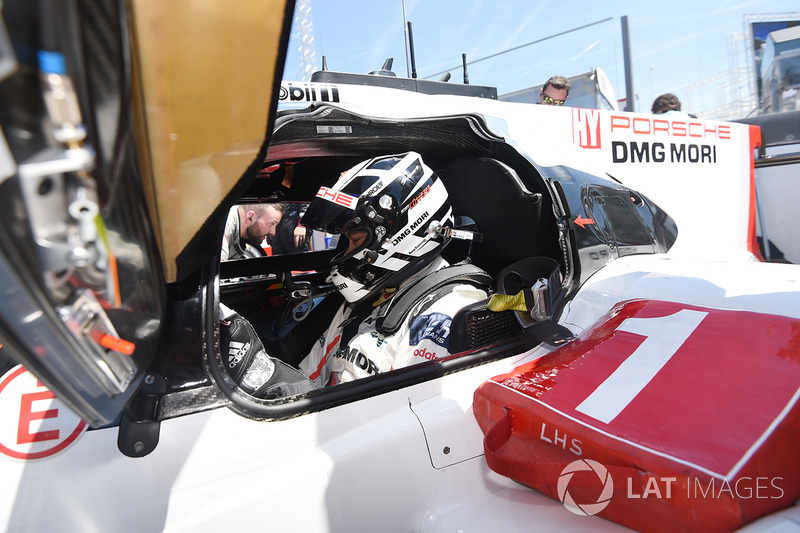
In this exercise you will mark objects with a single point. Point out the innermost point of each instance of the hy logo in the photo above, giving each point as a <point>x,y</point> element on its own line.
<point>586,127</point>
<point>587,509</point>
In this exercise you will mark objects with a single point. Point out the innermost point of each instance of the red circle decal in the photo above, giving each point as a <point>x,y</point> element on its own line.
<point>35,424</point>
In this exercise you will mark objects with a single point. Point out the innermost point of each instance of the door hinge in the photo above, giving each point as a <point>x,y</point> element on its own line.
<point>139,428</point>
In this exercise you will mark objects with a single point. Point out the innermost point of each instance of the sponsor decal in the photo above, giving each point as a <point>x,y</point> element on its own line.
<point>420,196</point>
<point>35,424</point>
<point>671,128</point>
<point>305,92</point>
<point>670,140</point>
<point>406,232</point>
<point>259,372</point>
<point>425,354</point>
<point>236,352</point>
<point>375,188</point>
<point>379,340</point>
<point>337,197</point>
<point>586,128</point>
<point>657,152</point>
<point>411,175</point>
<point>433,326</point>
<point>358,359</point>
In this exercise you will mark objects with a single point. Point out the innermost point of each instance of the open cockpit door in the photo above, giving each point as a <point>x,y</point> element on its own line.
<point>126,128</point>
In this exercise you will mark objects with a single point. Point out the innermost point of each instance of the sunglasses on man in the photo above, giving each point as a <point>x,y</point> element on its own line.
<point>552,101</point>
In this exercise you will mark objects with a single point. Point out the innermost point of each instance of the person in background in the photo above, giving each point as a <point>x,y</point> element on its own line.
<point>554,91</point>
<point>249,223</point>
<point>667,103</point>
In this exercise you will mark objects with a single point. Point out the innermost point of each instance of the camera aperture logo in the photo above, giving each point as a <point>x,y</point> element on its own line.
<point>594,478</point>
<point>604,478</point>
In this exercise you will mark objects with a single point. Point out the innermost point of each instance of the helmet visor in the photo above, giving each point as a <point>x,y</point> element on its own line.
<point>331,211</point>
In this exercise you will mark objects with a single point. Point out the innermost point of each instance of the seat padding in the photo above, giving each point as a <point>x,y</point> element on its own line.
<point>505,211</point>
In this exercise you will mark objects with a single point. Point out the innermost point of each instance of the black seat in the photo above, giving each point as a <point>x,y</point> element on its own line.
<point>505,211</point>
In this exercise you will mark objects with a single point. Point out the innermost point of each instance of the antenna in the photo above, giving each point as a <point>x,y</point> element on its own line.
<point>405,29</point>
<point>386,69</point>
<point>411,48</point>
<point>464,61</point>
<point>446,77</point>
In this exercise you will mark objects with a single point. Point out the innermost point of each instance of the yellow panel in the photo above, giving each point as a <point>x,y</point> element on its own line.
<point>203,76</point>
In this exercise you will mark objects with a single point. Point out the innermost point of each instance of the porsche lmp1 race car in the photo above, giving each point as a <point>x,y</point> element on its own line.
<point>646,377</point>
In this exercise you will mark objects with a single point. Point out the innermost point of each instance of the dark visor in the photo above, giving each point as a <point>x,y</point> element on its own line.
<point>329,211</point>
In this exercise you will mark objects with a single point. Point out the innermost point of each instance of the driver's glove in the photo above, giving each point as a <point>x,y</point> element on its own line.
<point>251,368</point>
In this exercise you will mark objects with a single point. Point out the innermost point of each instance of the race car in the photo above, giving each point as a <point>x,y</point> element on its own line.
<point>118,411</point>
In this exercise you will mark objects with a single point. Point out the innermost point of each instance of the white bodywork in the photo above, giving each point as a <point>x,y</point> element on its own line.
<point>412,459</point>
<point>590,140</point>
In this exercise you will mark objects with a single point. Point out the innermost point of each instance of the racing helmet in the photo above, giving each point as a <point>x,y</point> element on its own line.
<point>404,210</point>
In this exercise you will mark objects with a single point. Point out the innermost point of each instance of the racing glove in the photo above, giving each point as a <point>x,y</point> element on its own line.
<point>251,368</point>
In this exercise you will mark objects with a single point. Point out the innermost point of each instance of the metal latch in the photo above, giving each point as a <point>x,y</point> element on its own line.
<point>106,354</point>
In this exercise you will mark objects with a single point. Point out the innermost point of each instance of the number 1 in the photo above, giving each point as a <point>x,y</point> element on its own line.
<point>664,337</point>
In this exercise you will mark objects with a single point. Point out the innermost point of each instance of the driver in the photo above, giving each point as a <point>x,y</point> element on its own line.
<point>395,216</point>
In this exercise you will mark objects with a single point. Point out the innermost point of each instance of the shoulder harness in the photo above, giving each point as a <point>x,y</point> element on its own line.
<point>422,294</point>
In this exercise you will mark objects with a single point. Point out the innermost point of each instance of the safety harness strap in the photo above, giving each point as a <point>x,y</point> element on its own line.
<point>425,292</point>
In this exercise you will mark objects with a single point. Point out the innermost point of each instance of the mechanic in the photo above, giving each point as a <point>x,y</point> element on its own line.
<point>249,223</point>
<point>396,217</point>
<point>554,91</point>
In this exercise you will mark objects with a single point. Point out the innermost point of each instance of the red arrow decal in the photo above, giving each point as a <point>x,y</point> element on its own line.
<point>581,221</point>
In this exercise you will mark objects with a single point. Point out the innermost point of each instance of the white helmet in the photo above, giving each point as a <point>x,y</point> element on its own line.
<point>403,207</point>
